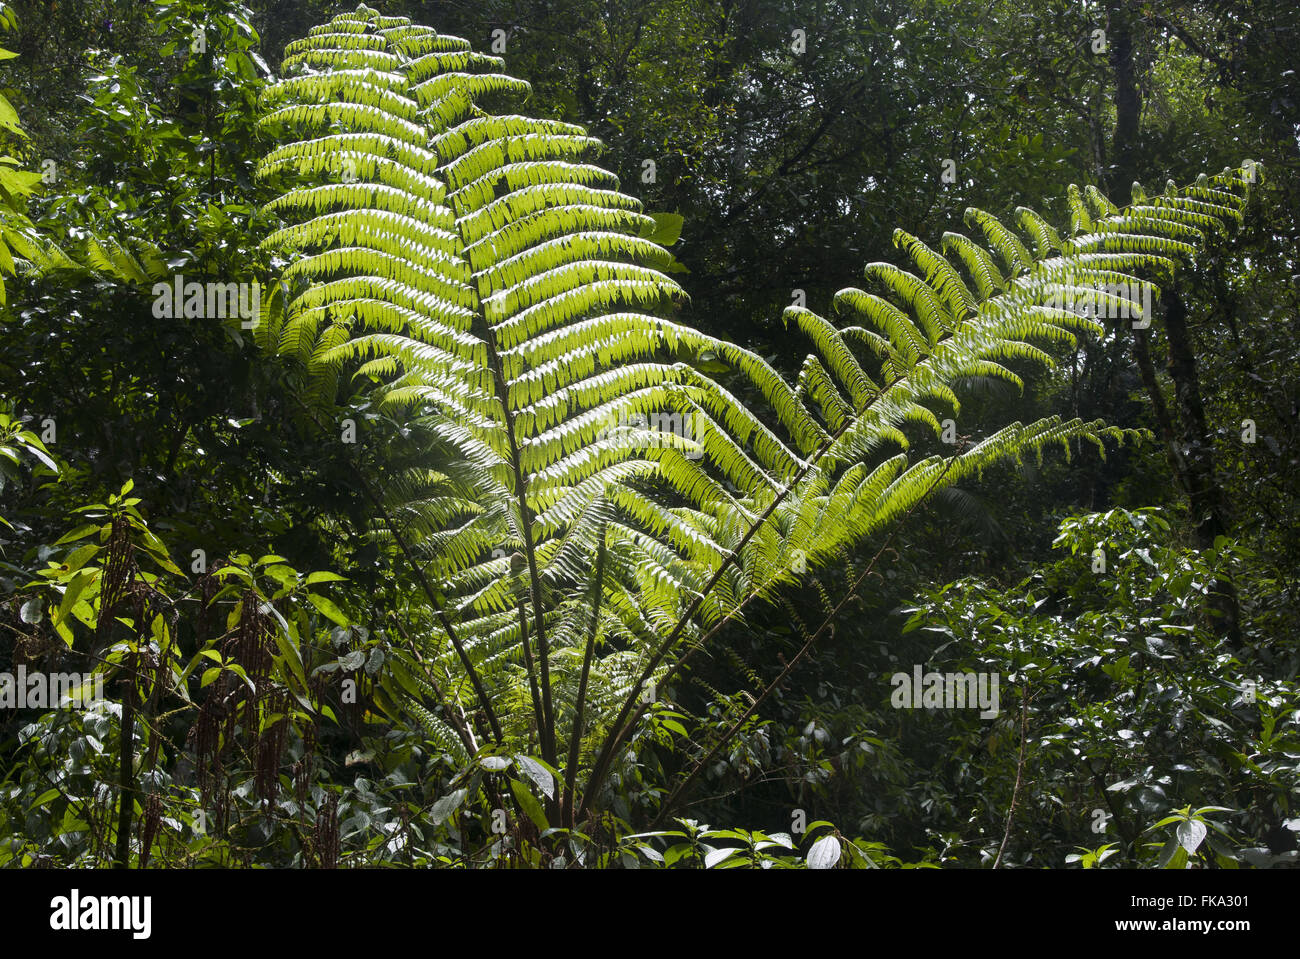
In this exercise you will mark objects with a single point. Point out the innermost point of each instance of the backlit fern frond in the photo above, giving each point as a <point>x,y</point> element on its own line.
<point>489,279</point>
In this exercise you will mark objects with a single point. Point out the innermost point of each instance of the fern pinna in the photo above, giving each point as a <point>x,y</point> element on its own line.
<point>501,293</point>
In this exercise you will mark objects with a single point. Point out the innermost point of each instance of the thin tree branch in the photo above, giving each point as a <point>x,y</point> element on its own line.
<point>1020,769</point>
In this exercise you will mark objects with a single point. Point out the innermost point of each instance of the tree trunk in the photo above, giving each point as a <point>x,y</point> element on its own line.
<point>1188,446</point>
<point>1206,500</point>
<point>1128,103</point>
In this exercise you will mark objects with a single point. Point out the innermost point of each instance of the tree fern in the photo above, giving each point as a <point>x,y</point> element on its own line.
<point>494,285</point>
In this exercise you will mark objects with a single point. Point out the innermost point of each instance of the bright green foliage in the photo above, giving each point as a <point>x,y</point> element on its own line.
<point>112,594</point>
<point>1145,734</point>
<point>19,239</point>
<point>18,445</point>
<point>489,278</point>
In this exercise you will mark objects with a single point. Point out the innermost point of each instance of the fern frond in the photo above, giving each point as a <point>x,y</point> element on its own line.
<point>475,269</point>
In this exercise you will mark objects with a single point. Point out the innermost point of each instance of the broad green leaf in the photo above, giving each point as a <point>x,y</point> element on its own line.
<point>538,773</point>
<point>32,611</point>
<point>528,802</point>
<point>667,229</point>
<point>328,609</point>
<point>323,577</point>
<point>73,592</point>
<point>824,854</point>
<point>444,807</point>
<point>1191,834</point>
<point>81,532</point>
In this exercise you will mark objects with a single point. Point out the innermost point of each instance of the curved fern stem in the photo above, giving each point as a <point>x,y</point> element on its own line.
<point>575,737</point>
<point>623,725</point>
<point>669,803</point>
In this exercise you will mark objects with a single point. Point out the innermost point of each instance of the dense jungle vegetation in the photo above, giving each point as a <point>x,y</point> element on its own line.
<point>604,433</point>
